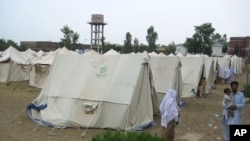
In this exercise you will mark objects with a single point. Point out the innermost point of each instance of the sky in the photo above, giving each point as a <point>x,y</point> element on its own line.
<point>173,20</point>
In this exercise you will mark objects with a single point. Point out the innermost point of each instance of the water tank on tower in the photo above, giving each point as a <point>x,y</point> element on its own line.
<point>97,31</point>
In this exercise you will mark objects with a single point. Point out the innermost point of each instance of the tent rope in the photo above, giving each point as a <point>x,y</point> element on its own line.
<point>22,69</point>
<point>84,133</point>
<point>17,115</point>
<point>34,129</point>
<point>51,132</point>
<point>19,82</point>
<point>125,131</point>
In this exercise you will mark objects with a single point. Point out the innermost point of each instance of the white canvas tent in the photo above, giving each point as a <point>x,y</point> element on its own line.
<point>111,52</point>
<point>171,54</point>
<point>41,67</point>
<point>224,63</point>
<point>162,54</point>
<point>179,54</point>
<point>166,74</point>
<point>191,71</point>
<point>40,53</point>
<point>236,64</point>
<point>29,53</point>
<point>14,66</point>
<point>153,53</point>
<point>97,92</point>
<point>209,73</point>
<point>91,52</point>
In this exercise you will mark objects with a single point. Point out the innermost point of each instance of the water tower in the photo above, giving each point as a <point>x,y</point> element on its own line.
<point>97,31</point>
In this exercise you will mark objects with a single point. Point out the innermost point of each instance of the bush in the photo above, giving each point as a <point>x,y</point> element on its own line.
<point>129,136</point>
<point>247,90</point>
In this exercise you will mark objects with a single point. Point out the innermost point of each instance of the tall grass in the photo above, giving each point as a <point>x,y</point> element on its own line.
<point>129,136</point>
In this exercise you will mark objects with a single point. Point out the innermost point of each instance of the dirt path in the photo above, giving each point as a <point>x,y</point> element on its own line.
<point>201,117</point>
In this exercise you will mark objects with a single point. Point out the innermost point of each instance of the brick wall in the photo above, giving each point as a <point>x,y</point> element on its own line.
<point>47,46</point>
<point>239,46</point>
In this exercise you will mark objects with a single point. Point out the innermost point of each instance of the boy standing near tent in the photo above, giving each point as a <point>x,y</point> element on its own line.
<point>169,115</point>
<point>202,87</point>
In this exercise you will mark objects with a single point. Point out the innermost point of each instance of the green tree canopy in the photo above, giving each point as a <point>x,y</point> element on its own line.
<point>103,44</point>
<point>70,38</point>
<point>128,43</point>
<point>201,41</point>
<point>151,38</point>
<point>4,44</point>
<point>109,46</point>
<point>216,37</point>
<point>170,48</point>
<point>136,46</point>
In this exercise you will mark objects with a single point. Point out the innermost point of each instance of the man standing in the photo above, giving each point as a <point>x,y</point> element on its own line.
<point>238,100</point>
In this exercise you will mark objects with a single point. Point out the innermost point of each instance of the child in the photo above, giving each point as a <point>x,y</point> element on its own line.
<point>228,101</point>
<point>202,87</point>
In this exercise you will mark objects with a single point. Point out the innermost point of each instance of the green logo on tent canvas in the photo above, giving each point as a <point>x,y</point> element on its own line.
<point>102,72</point>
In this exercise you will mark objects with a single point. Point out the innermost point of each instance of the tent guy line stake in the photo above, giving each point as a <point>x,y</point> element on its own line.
<point>51,132</point>
<point>26,74</point>
<point>83,134</point>
<point>17,115</point>
<point>34,129</point>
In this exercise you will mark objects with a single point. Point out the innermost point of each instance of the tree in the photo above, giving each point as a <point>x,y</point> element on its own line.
<point>221,39</point>
<point>5,44</point>
<point>225,43</point>
<point>109,46</point>
<point>136,45</point>
<point>215,37</point>
<point>104,47</point>
<point>201,41</point>
<point>127,43</point>
<point>151,38</point>
<point>170,48</point>
<point>69,39</point>
<point>143,47</point>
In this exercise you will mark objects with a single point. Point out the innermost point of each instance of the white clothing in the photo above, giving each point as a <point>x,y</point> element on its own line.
<point>227,100</point>
<point>169,108</point>
<point>226,73</point>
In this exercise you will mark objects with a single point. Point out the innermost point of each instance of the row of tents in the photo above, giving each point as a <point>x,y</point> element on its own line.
<point>118,91</point>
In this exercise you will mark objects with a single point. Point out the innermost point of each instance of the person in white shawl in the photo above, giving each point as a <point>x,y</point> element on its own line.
<point>169,115</point>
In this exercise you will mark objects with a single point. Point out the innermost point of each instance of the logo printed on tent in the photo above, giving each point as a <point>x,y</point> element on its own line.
<point>102,72</point>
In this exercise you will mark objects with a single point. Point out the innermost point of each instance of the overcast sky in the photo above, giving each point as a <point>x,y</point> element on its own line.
<point>173,20</point>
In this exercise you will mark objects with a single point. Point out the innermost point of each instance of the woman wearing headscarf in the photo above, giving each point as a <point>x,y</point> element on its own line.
<point>169,115</point>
